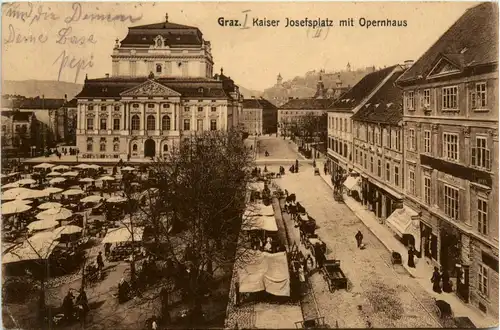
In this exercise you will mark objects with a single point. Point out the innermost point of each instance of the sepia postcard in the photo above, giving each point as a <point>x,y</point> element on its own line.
<point>249,165</point>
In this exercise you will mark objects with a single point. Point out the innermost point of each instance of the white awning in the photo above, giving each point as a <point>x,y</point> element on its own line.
<point>258,222</point>
<point>351,182</point>
<point>402,222</point>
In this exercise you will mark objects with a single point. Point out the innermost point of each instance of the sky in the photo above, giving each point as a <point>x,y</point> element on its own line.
<point>53,41</point>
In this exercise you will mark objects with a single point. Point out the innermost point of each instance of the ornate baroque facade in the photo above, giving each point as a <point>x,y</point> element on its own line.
<point>161,92</point>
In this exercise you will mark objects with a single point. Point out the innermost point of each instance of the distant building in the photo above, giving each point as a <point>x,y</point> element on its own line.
<point>259,116</point>
<point>161,92</point>
<point>64,120</point>
<point>451,155</point>
<point>19,133</point>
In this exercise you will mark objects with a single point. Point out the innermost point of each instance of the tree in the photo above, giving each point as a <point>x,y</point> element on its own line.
<point>196,212</point>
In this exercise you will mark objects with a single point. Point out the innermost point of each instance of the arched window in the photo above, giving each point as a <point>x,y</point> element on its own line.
<point>134,147</point>
<point>165,148</point>
<point>150,123</point>
<point>136,123</point>
<point>165,123</point>
<point>158,68</point>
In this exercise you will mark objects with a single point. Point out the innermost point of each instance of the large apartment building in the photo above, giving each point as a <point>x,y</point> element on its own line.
<point>451,153</point>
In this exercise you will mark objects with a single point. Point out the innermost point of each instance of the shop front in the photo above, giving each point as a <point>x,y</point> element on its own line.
<point>353,186</point>
<point>406,225</point>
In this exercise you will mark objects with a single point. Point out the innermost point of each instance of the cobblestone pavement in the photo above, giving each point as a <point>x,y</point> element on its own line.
<point>277,148</point>
<point>379,295</point>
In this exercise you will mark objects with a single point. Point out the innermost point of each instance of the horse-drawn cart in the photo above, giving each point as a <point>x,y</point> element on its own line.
<point>334,276</point>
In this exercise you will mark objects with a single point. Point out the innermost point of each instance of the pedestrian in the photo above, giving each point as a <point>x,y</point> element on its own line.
<point>309,262</point>
<point>445,276</point>
<point>302,278</point>
<point>100,264</point>
<point>359,238</point>
<point>436,279</point>
<point>411,256</point>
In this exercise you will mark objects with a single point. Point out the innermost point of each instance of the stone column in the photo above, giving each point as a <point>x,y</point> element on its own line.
<point>124,126</point>
<point>143,117</point>
<point>158,118</point>
<point>174,125</point>
<point>207,119</point>
<point>435,138</point>
<point>384,208</point>
<point>110,119</point>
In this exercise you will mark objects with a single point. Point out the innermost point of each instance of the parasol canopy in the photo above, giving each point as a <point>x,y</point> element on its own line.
<point>60,168</point>
<point>54,173</point>
<point>10,185</point>
<point>82,166</point>
<point>106,178</point>
<point>87,180</point>
<point>73,192</point>
<point>57,180</point>
<point>38,246</point>
<point>14,193</point>
<point>128,168</point>
<point>94,166</point>
<point>53,190</point>
<point>44,165</point>
<point>116,199</point>
<point>25,181</point>
<point>92,199</point>
<point>32,194</point>
<point>123,234</point>
<point>42,224</point>
<point>71,174</point>
<point>54,214</point>
<point>67,230</point>
<point>16,206</point>
<point>50,205</point>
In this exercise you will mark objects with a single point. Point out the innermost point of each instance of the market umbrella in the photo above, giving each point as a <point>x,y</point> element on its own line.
<point>53,190</point>
<point>123,234</point>
<point>73,192</point>
<point>54,173</point>
<point>33,194</point>
<point>14,193</point>
<point>92,199</point>
<point>10,185</point>
<point>38,246</point>
<point>67,230</point>
<point>128,168</point>
<point>87,180</point>
<point>94,166</point>
<point>57,180</point>
<point>61,168</point>
<point>72,174</point>
<point>26,181</point>
<point>44,165</point>
<point>16,206</point>
<point>106,178</point>
<point>54,214</point>
<point>82,166</point>
<point>42,224</point>
<point>116,199</point>
<point>50,205</point>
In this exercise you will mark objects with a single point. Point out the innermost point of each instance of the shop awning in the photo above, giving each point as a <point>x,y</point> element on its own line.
<point>351,182</point>
<point>402,222</point>
<point>260,222</point>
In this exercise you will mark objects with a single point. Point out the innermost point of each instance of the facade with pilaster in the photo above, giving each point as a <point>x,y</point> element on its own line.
<point>451,153</point>
<point>160,93</point>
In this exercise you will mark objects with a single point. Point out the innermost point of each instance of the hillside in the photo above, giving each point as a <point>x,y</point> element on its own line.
<point>248,93</point>
<point>48,88</point>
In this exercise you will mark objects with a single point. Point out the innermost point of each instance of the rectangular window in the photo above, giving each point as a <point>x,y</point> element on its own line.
<point>411,179</point>
<point>410,100</point>
<point>213,124</point>
<point>450,146</point>
<point>379,168</point>
<point>356,156</point>
<point>398,140</point>
<point>483,279</point>
<point>187,124</point>
<point>451,202</point>
<point>90,123</point>
<point>365,162</point>
<point>411,139</point>
<point>478,97</point>
<point>103,107</point>
<point>387,133</point>
<point>396,175</point>
<point>213,109</point>
<point>427,190</point>
<point>427,141</point>
<point>482,216</point>
<point>371,164</point>
<point>116,124</point>
<point>199,125</point>
<point>102,147</point>
<point>426,98</point>
<point>345,124</point>
<point>377,136</point>
<point>340,129</point>
<point>450,98</point>
<point>89,146</point>
<point>151,106</point>
<point>387,171</point>
<point>480,154</point>
<point>200,109</point>
<point>103,123</point>
<point>186,109</point>
<point>91,107</point>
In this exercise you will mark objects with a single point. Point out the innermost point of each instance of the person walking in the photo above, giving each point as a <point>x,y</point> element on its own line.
<point>436,279</point>
<point>411,256</point>
<point>445,277</point>
<point>100,264</point>
<point>302,278</point>
<point>359,238</point>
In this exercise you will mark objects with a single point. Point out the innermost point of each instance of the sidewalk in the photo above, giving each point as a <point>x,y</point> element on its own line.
<point>423,271</point>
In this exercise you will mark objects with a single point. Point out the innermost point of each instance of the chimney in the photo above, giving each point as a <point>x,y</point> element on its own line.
<point>107,75</point>
<point>65,97</point>
<point>408,64</point>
